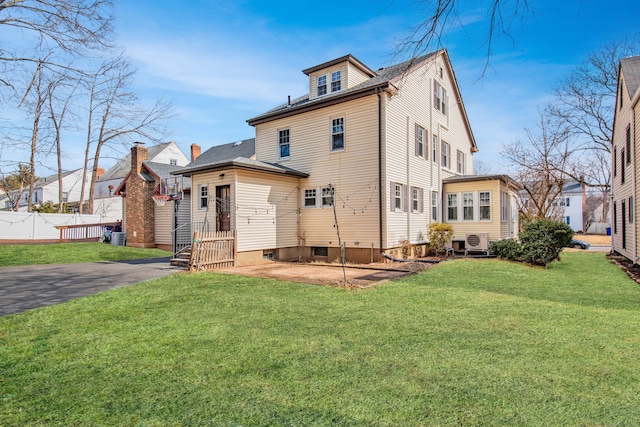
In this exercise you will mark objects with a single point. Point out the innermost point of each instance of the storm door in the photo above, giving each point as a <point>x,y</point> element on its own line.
<point>223,208</point>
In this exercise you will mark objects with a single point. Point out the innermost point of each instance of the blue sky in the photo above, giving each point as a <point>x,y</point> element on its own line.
<point>221,63</point>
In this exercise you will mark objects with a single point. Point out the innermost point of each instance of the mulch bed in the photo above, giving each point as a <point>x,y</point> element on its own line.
<point>632,270</point>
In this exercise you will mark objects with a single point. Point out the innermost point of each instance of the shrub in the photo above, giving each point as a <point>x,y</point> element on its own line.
<point>439,236</point>
<point>506,248</point>
<point>543,240</point>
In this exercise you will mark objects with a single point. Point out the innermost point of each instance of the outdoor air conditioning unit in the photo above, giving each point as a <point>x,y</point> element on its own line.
<point>118,238</point>
<point>477,242</point>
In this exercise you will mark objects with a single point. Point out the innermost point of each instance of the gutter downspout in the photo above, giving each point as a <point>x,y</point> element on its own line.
<point>408,196</point>
<point>380,192</point>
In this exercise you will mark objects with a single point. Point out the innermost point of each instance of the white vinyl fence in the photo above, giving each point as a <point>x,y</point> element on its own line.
<point>39,226</point>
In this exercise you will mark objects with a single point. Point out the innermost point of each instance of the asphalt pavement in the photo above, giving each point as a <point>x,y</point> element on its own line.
<point>27,287</point>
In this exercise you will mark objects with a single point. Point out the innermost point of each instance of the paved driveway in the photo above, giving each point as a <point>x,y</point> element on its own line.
<point>24,288</point>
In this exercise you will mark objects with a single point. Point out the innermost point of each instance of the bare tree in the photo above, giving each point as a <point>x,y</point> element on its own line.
<point>539,164</point>
<point>586,98</point>
<point>35,97</point>
<point>442,15</point>
<point>116,116</point>
<point>59,105</point>
<point>69,25</point>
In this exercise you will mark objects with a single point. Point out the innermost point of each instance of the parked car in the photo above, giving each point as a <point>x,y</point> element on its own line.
<point>578,244</point>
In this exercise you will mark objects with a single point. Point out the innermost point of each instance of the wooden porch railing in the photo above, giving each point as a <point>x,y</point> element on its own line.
<point>85,232</point>
<point>211,250</point>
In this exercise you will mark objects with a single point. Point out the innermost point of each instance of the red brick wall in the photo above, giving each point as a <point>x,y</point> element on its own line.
<point>140,212</point>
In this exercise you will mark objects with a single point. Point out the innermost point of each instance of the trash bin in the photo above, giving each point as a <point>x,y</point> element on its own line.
<point>608,231</point>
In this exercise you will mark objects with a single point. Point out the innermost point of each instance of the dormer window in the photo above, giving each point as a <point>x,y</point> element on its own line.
<point>335,81</point>
<point>322,85</point>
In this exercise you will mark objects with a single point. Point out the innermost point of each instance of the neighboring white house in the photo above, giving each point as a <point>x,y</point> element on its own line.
<point>573,203</point>
<point>106,202</point>
<point>47,190</point>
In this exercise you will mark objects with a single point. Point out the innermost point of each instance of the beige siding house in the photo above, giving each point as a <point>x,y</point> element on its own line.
<point>365,153</point>
<point>624,162</point>
<point>481,204</point>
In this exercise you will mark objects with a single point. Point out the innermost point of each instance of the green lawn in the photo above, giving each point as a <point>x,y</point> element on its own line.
<point>467,342</point>
<point>62,253</point>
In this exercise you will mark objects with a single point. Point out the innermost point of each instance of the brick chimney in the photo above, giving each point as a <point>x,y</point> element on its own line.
<point>139,206</point>
<point>195,152</point>
<point>138,155</point>
<point>99,172</point>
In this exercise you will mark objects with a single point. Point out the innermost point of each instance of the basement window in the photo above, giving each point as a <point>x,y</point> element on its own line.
<point>319,251</point>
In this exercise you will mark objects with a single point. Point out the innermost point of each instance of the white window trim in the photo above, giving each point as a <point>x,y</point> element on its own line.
<point>434,140</point>
<point>465,199</point>
<point>445,153</point>
<point>318,85</point>
<point>461,166</point>
<point>333,150</point>
<point>480,205</point>
<point>339,80</point>
<point>434,206</point>
<point>304,198</point>
<point>331,194</point>
<point>457,208</point>
<point>201,197</point>
<point>280,157</point>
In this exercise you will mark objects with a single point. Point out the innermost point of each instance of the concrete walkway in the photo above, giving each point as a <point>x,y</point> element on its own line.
<point>26,287</point>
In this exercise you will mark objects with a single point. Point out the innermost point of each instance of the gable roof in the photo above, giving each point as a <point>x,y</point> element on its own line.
<point>384,79</point>
<point>380,80</point>
<point>631,70</point>
<point>123,166</point>
<point>41,182</point>
<point>245,148</point>
<point>347,58</point>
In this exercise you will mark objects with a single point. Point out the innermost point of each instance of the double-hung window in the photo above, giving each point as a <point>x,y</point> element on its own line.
<point>434,146</point>
<point>421,141</point>
<point>504,206</point>
<point>203,197</point>
<point>322,85</point>
<point>440,98</point>
<point>337,134</point>
<point>629,144</point>
<point>485,205</point>
<point>622,166</point>
<point>283,143</point>
<point>460,158</point>
<point>327,196</point>
<point>397,196</point>
<point>467,206</point>
<point>310,198</point>
<point>446,155</point>
<point>434,206</point>
<point>335,81</point>
<point>452,207</point>
<point>416,200</point>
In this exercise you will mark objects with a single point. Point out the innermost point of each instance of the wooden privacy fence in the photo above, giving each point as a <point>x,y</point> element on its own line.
<point>214,249</point>
<point>85,232</point>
